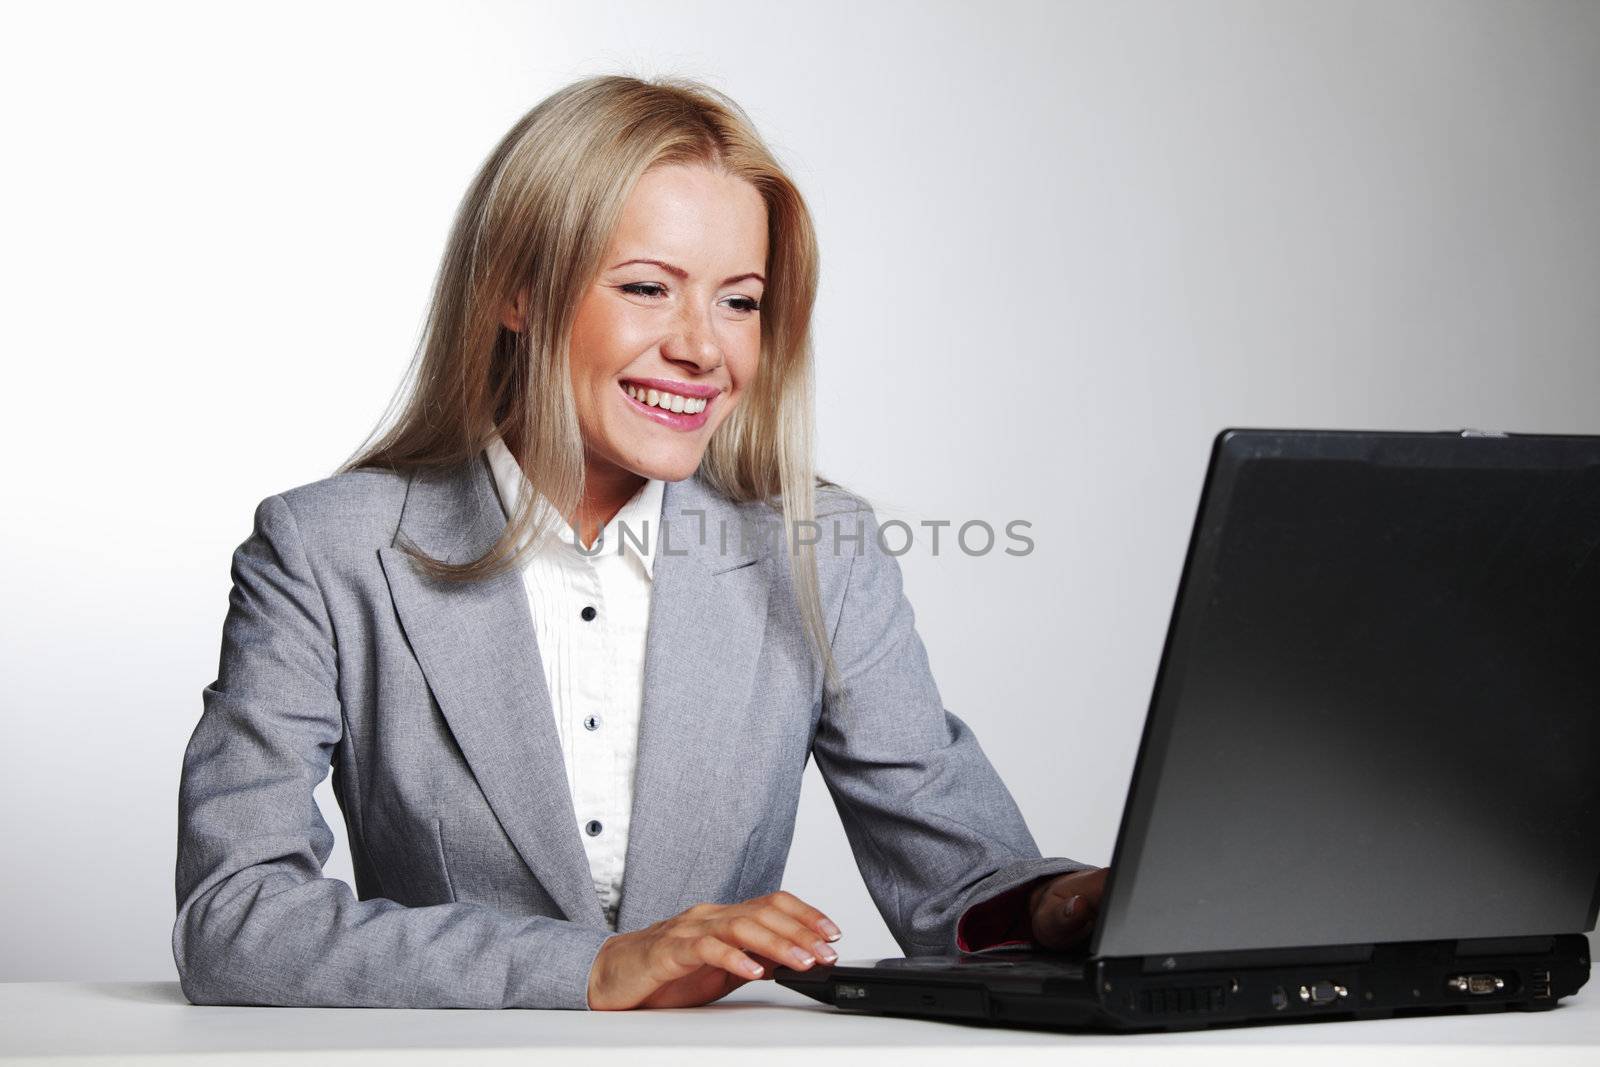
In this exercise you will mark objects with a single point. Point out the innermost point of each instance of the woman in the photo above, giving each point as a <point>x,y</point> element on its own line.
<point>618,349</point>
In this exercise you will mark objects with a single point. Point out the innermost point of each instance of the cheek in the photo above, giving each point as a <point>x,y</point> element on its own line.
<point>605,339</point>
<point>744,360</point>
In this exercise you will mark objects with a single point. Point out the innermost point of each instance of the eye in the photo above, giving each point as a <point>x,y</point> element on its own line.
<point>648,289</point>
<point>656,291</point>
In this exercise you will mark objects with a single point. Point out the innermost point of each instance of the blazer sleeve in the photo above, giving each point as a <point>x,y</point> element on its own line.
<point>257,921</point>
<point>941,844</point>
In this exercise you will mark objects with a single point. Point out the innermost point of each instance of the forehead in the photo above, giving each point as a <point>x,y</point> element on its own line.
<point>694,217</point>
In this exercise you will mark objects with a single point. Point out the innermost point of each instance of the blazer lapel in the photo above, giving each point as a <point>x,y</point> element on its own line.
<point>708,611</point>
<point>475,644</point>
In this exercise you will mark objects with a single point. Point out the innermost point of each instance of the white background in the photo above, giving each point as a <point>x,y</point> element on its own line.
<point>1063,245</point>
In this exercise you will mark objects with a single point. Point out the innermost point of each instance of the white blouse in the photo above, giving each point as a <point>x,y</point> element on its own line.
<point>590,616</point>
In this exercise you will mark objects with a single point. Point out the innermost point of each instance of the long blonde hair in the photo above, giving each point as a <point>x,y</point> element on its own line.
<point>539,216</point>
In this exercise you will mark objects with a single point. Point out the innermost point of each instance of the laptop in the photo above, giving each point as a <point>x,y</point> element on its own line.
<point>1369,779</point>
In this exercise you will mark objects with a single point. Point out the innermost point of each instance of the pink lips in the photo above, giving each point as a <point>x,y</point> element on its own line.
<point>677,420</point>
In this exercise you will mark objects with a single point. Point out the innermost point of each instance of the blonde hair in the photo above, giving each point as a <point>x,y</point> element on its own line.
<point>539,216</point>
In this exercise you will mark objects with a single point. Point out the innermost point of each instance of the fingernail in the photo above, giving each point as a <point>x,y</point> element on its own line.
<point>801,957</point>
<point>831,930</point>
<point>827,954</point>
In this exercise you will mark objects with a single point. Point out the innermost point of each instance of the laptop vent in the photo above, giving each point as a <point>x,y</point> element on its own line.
<point>1183,1000</point>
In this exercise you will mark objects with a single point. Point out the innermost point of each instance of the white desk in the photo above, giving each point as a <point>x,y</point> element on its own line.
<point>62,1023</point>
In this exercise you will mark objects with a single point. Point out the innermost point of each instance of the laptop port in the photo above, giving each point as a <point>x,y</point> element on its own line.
<point>1477,985</point>
<point>1323,992</point>
<point>1183,1000</point>
<point>1541,985</point>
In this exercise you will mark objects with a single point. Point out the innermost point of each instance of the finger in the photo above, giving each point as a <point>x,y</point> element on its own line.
<point>1062,924</point>
<point>1088,883</point>
<point>793,905</point>
<point>796,932</point>
<point>708,948</point>
<point>768,964</point>
<point>1094,884</point>
<point>746,931</point>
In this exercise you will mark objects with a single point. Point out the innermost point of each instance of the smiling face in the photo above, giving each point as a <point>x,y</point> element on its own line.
<point>662,351</point>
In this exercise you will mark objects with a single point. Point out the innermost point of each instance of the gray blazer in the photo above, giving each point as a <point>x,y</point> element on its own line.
<point>429,702</point>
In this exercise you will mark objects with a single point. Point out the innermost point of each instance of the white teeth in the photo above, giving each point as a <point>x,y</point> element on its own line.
<point>667,401</point>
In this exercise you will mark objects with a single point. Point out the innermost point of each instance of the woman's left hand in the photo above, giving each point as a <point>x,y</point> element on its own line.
<point>1064,909</point>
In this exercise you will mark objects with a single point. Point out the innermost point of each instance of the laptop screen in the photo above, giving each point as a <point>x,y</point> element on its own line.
<point>1378,713</point>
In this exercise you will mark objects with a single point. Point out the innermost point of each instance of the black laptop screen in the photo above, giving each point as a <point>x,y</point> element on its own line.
<point>1378,715</point>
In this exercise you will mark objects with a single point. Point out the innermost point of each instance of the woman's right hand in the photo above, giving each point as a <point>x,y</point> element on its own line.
<point>706,953</point>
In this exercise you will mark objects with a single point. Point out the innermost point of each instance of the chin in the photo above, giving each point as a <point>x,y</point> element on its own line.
<point>672,471</point>
<point>667,464</point>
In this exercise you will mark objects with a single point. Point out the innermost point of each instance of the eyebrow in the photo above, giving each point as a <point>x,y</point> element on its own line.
<point>681,273</point>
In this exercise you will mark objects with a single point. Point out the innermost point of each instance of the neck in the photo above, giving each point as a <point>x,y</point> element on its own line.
<point>606,487</point>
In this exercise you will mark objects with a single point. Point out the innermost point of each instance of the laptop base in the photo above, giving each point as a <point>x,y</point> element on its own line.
<point>1219,989</point>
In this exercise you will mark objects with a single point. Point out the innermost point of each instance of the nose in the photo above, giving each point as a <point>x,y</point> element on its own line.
<point>693,343</point>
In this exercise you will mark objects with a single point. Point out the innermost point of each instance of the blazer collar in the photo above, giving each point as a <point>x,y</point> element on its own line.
<point>476,646</point>
<point>455,514</point>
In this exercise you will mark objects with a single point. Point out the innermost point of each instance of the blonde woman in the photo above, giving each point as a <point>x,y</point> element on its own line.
<point>565,676</point>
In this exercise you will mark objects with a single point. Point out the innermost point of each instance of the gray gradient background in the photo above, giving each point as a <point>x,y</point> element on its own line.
<point>1063,245</point>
